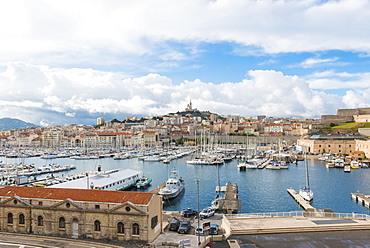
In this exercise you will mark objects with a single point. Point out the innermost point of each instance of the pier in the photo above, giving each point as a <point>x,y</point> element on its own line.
<point>264,164</point>
<point>361,199</point>
<point>156,190</point>
<point>229,203</point>
<point>299,199</point>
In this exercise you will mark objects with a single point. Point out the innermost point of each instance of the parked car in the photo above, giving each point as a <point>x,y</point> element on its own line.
<point>184,227</point>
<point>214,229</point>
<point>199,231</point>
<point>188,212</point>
<point>207,212</point>
<point>174,225</point>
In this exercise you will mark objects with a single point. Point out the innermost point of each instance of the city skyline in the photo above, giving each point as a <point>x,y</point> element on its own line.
<point>64,62</point>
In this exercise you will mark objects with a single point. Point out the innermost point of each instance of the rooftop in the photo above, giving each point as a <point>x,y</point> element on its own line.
<point>141,198</point>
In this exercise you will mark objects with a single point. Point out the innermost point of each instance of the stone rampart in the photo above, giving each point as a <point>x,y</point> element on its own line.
<point>364,111</point>
<point>326,119</point>
<point>348,112</point>
<point>362,118</point>
<point>364,131</point>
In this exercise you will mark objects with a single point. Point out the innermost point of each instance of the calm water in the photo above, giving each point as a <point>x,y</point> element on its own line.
<point>260,190</point>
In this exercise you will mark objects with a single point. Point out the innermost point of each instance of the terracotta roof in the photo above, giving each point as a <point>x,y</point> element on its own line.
<point>114,134</point>
<point>77,194</point>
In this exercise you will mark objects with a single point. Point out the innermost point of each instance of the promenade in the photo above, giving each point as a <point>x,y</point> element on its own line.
<point>241,229</point>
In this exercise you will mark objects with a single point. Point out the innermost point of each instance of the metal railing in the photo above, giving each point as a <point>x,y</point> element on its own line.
<point>316,214</point>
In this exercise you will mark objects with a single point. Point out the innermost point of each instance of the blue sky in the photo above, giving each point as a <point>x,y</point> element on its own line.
<point>67,61</point>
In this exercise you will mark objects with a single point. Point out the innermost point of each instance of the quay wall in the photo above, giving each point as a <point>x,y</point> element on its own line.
<point>225,139</point>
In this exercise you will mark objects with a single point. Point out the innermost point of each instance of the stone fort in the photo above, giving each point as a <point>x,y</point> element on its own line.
<point>347,115</point>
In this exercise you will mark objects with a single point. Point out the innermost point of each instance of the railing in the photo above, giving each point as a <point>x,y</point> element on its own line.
<point>316,214</point>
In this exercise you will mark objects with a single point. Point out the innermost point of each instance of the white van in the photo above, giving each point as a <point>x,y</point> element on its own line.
<point>207,212</point>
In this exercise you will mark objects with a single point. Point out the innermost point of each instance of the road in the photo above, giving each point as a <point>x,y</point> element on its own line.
<point>34,241</point>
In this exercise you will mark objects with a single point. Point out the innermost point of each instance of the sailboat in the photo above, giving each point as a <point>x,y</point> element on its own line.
<point>306,191</point>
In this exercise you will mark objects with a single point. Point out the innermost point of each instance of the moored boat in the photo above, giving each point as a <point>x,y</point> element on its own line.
<point>306,192</point>
<point>174,186</point>
<point>347,168</point>
<point>143,182</point>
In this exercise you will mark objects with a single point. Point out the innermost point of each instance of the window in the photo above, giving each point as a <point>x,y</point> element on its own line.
<point>135,229</point>
<point>97,226</point>
<point>40,221</point>
<point>97,206</point>
<point>62,222</point>
<point>154,221</point>
<point>10,218</point>
<point>21,219</point>
<point>68,205</point>
<point>15,202</point>
<point>40,203</point>
<point>128,209</point>
<point>120,228</point>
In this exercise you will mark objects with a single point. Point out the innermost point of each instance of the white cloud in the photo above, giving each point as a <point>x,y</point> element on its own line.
<point>81,95</point>
<point>313,62</point>
<point>105,32</point>
<point>331,79</point>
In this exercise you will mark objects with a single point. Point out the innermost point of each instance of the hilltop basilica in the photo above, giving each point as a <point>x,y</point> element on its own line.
<point>189,108</point>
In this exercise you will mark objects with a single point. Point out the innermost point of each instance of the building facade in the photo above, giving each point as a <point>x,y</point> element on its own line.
<point>337,144</point>
<point>81,213</point>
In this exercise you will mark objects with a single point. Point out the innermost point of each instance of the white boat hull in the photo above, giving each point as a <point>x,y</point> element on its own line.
<point>306,194</point>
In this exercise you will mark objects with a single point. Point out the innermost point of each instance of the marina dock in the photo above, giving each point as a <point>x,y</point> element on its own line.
<point>156,190</point>
<point>229,203</point>
<point>299,199</point>
<point>361,199</point>
<point>264,164</point>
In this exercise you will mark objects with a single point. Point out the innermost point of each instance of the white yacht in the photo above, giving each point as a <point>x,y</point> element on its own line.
<point>306,191</point>
<point>174,186</point>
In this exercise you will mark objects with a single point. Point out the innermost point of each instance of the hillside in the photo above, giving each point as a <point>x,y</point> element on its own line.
<point>347,128</point>
<point>10,123</point>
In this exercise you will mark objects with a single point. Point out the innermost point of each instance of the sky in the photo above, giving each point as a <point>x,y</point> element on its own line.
<point>69,62</point>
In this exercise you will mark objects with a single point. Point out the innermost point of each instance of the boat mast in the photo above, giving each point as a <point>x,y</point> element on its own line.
<point>218,180</point>
<point>307,177</point>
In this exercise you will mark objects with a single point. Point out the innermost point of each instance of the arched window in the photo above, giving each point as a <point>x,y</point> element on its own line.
<point>135,229</point>
<point>21,219</point>
<point>97,226</point>
<point>120,228</point>
<point>10,218</point>
<point>40,221</point>
<point>62,222</point>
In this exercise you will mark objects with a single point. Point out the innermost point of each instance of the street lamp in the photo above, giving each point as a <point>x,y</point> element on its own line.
<point>197,182</point>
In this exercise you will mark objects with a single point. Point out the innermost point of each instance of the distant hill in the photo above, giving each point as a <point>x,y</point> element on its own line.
<point>10,123</point>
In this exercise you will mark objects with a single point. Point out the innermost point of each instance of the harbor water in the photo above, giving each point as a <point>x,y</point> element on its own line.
<point>260,191</point>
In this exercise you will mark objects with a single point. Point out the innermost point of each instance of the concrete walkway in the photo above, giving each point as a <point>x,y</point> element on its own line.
<point>294,224</point>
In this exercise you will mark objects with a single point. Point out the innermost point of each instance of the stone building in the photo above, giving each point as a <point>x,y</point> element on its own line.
<point>347,115</point>
<point>337,144</point>
<point>81,213</point>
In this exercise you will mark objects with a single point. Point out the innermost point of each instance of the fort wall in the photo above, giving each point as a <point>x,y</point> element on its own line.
<point>327,119</point>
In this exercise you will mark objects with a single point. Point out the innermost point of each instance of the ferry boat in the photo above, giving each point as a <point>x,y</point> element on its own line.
<point>174,186</point>
<point>104,180</point>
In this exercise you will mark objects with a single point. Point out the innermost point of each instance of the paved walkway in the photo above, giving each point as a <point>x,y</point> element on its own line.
<point>279,224</point>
